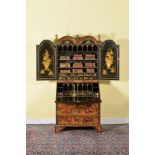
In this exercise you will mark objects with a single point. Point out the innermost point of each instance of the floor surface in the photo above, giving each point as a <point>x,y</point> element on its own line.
<point>42,140</point>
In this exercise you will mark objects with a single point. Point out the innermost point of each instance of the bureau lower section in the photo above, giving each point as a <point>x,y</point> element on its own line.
<point>77,115</point>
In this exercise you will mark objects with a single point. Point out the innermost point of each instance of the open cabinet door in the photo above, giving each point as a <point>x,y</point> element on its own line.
<point>109,60</point>
<point>46,61</point>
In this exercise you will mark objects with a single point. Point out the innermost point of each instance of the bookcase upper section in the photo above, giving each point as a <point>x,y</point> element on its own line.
<point>77,58</point>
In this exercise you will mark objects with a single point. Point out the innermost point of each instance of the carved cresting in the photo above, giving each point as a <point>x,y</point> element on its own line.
<point>75,40</point>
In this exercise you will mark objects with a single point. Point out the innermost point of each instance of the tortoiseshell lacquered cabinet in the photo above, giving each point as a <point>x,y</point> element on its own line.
<point>77,63</point>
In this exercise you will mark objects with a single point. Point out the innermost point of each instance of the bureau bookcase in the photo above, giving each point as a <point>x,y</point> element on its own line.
<point>77,63</point>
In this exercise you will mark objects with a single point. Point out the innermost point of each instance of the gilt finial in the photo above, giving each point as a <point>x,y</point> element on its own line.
<point>77,36</point>
<point>56,37</point>
<point>99,38</point>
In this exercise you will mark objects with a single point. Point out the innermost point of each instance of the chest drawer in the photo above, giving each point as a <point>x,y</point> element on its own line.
<point>78,120</point>
<point>78,109</point>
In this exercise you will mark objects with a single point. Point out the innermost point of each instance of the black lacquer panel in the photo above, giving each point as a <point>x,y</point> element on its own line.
<point>109,61</point>
<point>46,63</point>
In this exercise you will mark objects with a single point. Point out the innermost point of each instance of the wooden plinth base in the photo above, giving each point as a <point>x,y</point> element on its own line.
<point>59,128</point>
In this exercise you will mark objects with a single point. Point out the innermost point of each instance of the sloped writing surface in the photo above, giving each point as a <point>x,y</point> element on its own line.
<point>109,60</point>
<point>46,61</point>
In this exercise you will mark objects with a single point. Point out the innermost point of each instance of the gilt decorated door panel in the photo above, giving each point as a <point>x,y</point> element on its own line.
<point>46,61</point>
<point>109,60</point>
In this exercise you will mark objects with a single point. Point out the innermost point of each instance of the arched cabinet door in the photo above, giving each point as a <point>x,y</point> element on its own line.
<point>109,60</point>
<point>46,61</point>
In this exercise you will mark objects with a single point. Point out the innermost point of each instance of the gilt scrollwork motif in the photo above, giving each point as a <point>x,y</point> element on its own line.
<point>47,61</point>
<point>109,62</point>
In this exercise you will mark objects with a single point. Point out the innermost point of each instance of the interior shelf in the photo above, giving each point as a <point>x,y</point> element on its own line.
<point>76,67</point>
<point>78,60</point>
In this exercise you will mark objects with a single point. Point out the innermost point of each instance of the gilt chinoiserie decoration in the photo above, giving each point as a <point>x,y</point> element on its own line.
<point>46,61</point>
<point>109,60</point>
<point>77,63</point>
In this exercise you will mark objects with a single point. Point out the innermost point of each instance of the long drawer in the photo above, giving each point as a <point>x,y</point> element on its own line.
<point>78,120</point>
<point>78,109</point>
